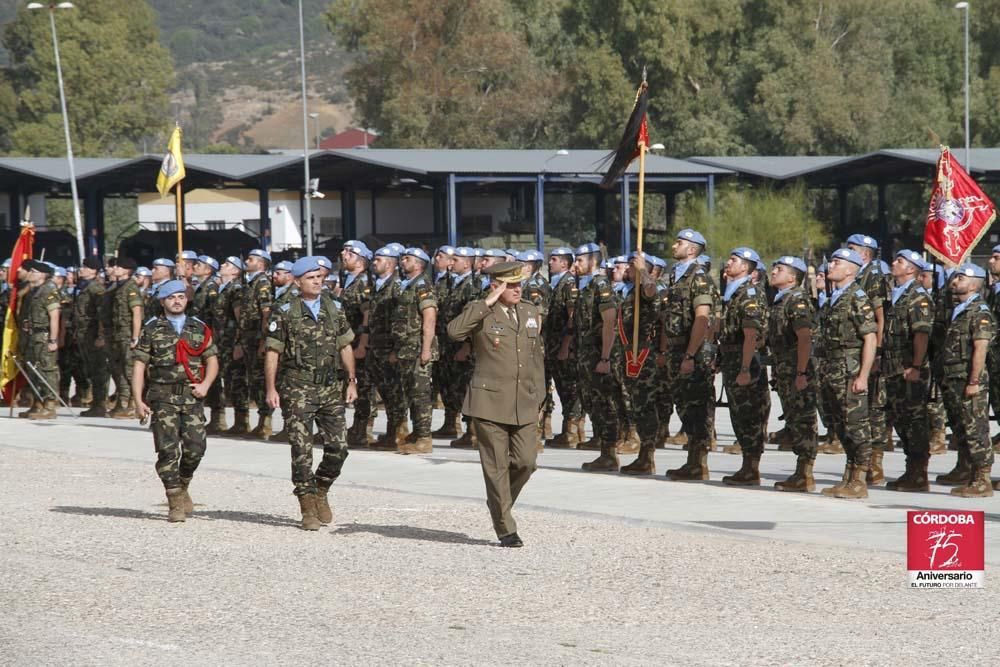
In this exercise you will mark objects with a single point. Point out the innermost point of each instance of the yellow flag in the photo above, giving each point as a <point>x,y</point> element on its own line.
<point>172,169</point>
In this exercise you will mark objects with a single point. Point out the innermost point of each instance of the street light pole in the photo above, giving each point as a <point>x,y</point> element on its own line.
<point>965,7</point>
<point>52,7</point>
<point>305,135</point>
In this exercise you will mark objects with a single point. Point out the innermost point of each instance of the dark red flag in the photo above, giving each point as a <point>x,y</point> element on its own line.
<point>958,215</point>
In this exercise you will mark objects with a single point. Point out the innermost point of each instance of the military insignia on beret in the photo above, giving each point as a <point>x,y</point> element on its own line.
<point>273,326</point>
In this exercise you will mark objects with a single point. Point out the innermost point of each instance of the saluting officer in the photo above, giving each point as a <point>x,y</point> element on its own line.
<point>506,390</point>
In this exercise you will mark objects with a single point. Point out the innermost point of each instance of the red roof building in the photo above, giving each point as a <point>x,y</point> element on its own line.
<point>350,138</point>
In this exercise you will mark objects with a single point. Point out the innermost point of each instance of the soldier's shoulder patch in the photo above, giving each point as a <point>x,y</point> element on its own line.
<point>273,326</point>
<point>860,293</point>
<point>337,304</point>
<point>752,292</point>
<point>284,307</point>
<point>983,306</point>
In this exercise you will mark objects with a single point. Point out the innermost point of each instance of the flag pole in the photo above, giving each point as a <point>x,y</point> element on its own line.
<point>179,197</point>
<point>638,245</point>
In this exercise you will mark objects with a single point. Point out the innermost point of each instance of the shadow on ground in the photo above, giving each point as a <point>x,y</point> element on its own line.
<point>211,515</point>
<point>411,533</point>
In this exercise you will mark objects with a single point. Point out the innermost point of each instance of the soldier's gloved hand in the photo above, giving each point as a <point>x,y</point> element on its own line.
<point>273,399</point>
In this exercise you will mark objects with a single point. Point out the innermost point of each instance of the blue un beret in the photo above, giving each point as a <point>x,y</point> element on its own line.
<point>387,251</point>
<point>749,254</point>
<point>189,254</point>
<point>495,252</point>
<point>398,247</point>
<point>170,287</point>
<point>970,270</point>
<point>235,261</point>
<point>418,253</point>
<point>260,252</point>
<point>304,265</point>
<point>205,259</point>
<point>862,240</point>
<point>587,249</point>
<point>561,250</point>
<point>446,250</point>
<point>163,261</point>
<point>530,256</point>
<point>143,271</point>
<point>464,251</point>
<point>284,265</point>
<point>692,236</point>
<point>793,262</point>
<point>847,255</point>
<point>914,258</point>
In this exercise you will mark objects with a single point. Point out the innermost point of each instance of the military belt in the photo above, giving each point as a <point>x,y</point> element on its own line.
<point>846,353</point>
<point>320,376</point>
<point>677,340</point>
<point>176,388</point>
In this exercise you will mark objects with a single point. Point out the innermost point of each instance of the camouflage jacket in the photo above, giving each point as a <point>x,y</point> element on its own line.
<point>151,306</point>
<point>414,298</point>
<point>157,349</point>
<point>125,297</point>
<point>872,281</point>
<point>793,311</point>
<point>356,299</point>
<point>464,290</point>
<point>975,322</point>
<point>256,297</point>
<point>537,290</point>
<point>560,313</point>
<point>33,314</point>
<point>442,292</point>
<point>4,302</point>
<point>380,319</point>
<point>286,295</point>
<point>67,300</point>
<point>694,288</point>
<point>223,316</point>
<point>204,299</point>
<point>649,319</point>
<point>844,324</point>
<point>912,313</point>
<point>309,347</point>
<point>746,309</point>
<point>87,311</point>
<point>595,296</point>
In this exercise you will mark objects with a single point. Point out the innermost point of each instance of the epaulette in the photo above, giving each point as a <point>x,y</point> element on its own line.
<point>284,307</point>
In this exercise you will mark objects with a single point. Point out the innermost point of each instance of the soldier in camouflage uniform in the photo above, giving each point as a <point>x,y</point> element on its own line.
<point>309,339</point>
<point>686,348</point>
<point>847,328</point>
<point>163,271</point>
<point>637,374</point>
<point>560,361</point>
<point>415,347</point>
<point>440,277</point>
<point>935,404</point>
<point>456,357</point>
<point>70,363</point>
<point>385,293</point>
<point>537,291</point>
<point>87,313</point>
<point>355,298</point>
<point>126,325</point>
<point>594,327</point>
<point>907,372</point>
<point>231,384</point>
<point>38,344</point>
<point>790,340</point>
<point>744,374</point>
<point>964,377</point>
<point>664,394</point>
<point>993,359</point>
<point>181,359</point>
<point>255,309</point>
<point>872,280</point>
<point>207,290</point>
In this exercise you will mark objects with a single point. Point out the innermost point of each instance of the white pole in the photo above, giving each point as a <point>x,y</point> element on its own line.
<point>968,164</point>
<point>305,134</point>
<point>69,143</point>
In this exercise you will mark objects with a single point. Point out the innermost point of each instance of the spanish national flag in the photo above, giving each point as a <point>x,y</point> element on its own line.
<point>172,170</point>
<point>22,252</point>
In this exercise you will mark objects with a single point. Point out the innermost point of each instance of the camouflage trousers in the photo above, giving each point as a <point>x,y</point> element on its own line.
<point>749,406</point>
<point>95,363</point>
<point>848,411</point>
<point>664,396</point>
<point>415,381</point>
<point>877,411</point>
<point>969,419</point>
<point>254,364</point>
<point>935,411</point>
<point>178,425</point>
<point>35,353</point>
<point>385,376</point>
<point>600,394</point>
<point>71,368</point>
<point>799,407</point>
<point>694,398</point>
<point>302,404</point>
<point>907,413</point>
<point>564,376</point>
<point>640,396</point>
<point>120,356</point>
<point>457,375</point>
<point>993,365</point>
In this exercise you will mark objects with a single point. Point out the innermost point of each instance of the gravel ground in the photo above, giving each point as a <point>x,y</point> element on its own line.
<point>93,574</point>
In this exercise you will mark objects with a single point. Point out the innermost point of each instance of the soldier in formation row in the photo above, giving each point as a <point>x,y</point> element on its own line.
<point>874,349</point>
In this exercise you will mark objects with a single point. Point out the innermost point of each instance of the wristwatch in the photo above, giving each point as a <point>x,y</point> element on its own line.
<point>688,356</point>
<point>352,380</point>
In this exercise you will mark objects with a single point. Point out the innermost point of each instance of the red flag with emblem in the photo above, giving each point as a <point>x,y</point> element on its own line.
<point>958,215</point>
<point>9,377</point>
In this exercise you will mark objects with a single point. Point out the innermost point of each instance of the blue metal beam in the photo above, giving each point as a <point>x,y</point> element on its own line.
<point>452,211</point>
<point>540,213</point>
<point>710,186</point>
